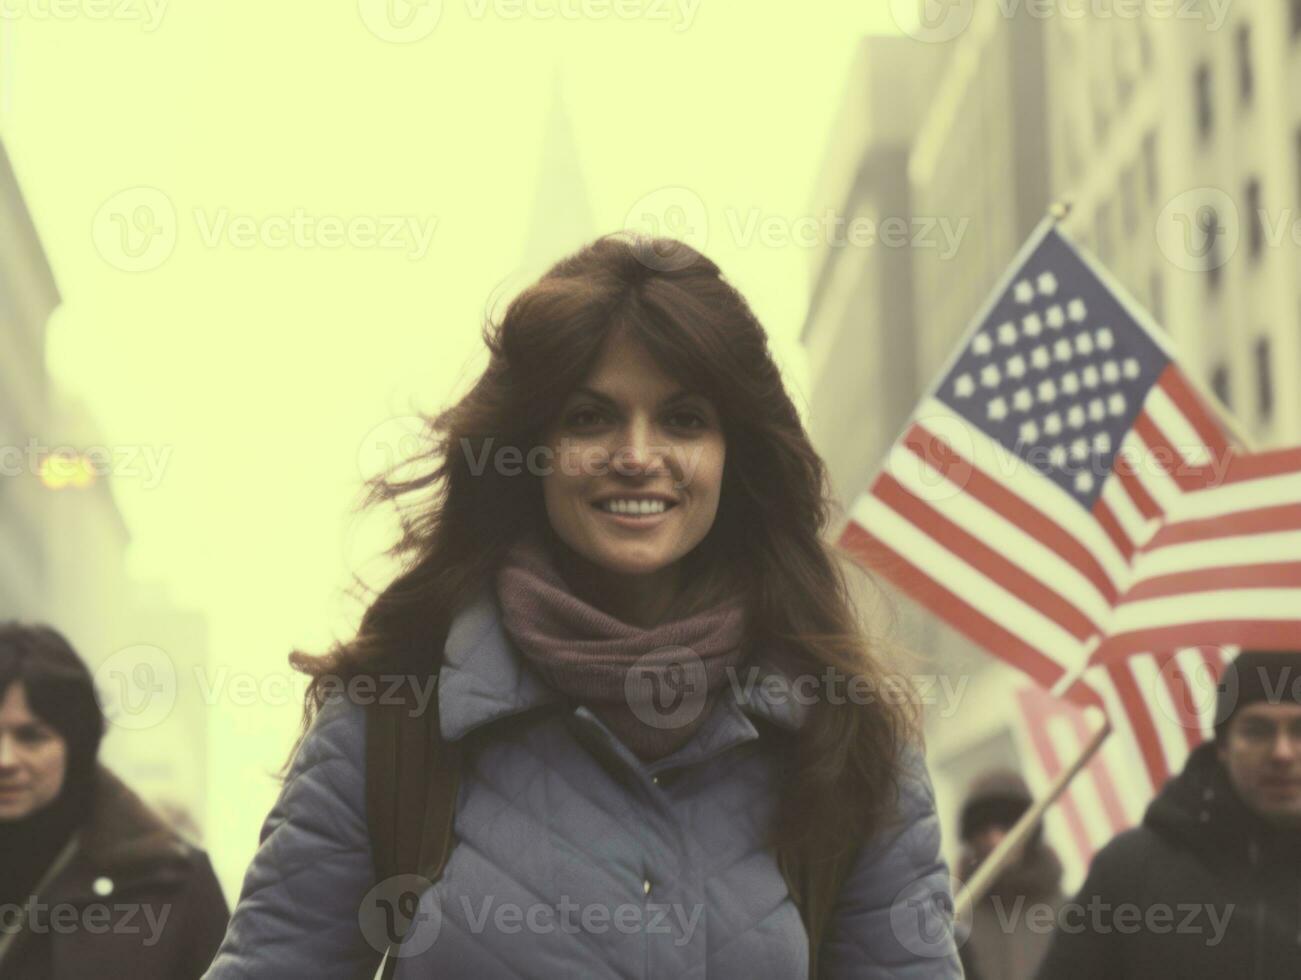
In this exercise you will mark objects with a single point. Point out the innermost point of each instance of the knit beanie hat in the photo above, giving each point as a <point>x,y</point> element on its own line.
<point>1273,676</point>
<point>998,797</point>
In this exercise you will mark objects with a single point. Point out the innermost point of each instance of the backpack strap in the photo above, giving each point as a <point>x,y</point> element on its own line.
<point>409,773</point>
<point>412,780</point>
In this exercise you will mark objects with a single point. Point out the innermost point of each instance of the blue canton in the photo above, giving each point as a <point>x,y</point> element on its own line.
<point>1057,372</point>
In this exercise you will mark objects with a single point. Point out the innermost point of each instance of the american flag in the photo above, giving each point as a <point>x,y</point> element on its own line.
<point>1099,803</point>
<point>1065,498</point>
<point>1162,707</point>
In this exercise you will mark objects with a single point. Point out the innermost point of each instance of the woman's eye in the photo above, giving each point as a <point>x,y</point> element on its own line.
<point>684,419</point>
<point>582,416</point>
<point>694,421</point>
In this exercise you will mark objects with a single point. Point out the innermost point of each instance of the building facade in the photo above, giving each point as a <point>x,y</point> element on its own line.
<point>28,296</point>
<point>64,545</point>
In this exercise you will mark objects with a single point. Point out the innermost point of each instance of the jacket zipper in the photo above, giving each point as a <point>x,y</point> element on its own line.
<point>1253,855</point>
<point>10,941</point>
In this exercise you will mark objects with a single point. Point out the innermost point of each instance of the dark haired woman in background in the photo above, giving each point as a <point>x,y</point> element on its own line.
<point>627,491</point>
<point>93,884</point>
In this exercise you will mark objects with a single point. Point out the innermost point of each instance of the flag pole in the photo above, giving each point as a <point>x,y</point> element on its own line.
<point>974,889</point>
<point>1067,680</point>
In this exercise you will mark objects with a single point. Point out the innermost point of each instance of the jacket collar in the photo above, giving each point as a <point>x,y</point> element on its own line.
<point>484,677</point>
<point>1199,808</point>
<point>122,841</point>
<point>124,830</point>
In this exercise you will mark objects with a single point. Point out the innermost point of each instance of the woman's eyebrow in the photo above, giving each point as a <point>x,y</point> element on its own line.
<point>680,395</point>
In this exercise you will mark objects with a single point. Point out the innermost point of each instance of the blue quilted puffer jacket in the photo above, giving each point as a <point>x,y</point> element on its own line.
<point>576,859</point>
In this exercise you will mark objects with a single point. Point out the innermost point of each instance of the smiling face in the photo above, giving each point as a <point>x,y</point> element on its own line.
<point>629,433</point>
<point>1262,753</point>
<point>33,757</point>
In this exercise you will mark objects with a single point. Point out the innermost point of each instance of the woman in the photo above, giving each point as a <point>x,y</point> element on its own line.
<point>93,884</point>
<point>618,533</point>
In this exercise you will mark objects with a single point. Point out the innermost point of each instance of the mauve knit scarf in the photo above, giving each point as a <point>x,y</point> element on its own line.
<point>587,654</point>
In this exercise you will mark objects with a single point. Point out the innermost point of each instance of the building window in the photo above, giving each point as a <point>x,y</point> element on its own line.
<point>1145,44</point>
<point>1149,164</point>
<point>1208,219</point>
<point>1157,297</point>
<point>1264,380</point>
<point>1099,117</point>
<point>1246,80</point>
<point>1296,19</point>
<point>1220,384</point>
<point>1071,144</point>
<point>1124,76</point>
<point>1203,95</point>
<point>1255,220</point>
<point>1128,201</point>
<point>1103,234</point>
<point>1297,142</point>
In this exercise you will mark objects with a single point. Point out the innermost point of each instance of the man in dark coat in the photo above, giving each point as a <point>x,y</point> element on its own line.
<point>1210,885</point>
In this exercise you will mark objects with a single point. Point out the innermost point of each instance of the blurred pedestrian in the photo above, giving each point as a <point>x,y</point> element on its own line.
<point>625,554</point>
<point>93,884</point>
<point>1209,886</point>
<point>1006,939</point>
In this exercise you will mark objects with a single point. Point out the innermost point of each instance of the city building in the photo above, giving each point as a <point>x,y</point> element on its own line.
<point>561,219</point>
<point>149,656</point>
<point>64,544</point>
<point>861,310</point>
<point>1177,141</point>
<point>28,295</point>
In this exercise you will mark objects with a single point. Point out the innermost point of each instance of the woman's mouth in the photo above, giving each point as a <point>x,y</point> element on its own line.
<point>634,513</point>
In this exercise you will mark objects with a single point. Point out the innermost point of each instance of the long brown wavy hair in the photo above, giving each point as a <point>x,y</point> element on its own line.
<point>842,772</point>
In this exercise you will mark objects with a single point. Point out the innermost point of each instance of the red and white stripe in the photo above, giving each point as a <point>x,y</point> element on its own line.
<point>974,533</point>
<point>1224,567</point>
<point>1187,543</point>
<point>1161,706</point>
<point>1098,804</point>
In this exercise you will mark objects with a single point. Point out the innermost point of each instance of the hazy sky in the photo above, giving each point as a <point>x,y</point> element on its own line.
<point>183,163</point>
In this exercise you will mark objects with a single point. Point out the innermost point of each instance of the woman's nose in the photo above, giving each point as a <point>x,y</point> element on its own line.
<point>638,451</point>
